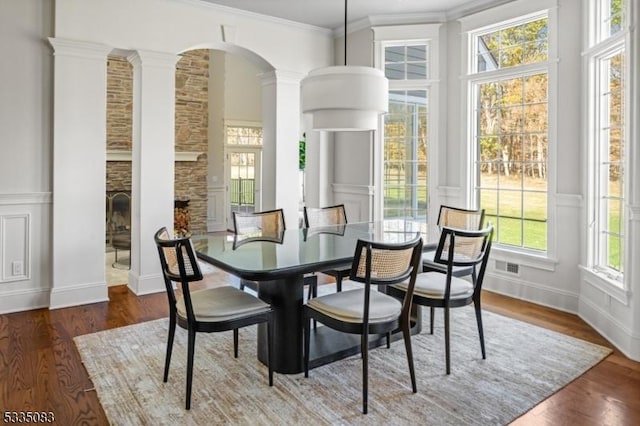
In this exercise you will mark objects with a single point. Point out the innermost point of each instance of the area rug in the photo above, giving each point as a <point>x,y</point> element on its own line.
<point>525,364</point>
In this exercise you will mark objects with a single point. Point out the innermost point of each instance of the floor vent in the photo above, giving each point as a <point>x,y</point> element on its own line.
<point>512,268</point>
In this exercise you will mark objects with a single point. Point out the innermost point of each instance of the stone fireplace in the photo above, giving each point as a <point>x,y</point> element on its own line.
<point>191,131</point>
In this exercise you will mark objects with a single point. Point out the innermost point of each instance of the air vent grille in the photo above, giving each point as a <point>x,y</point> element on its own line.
<point>512,268</point>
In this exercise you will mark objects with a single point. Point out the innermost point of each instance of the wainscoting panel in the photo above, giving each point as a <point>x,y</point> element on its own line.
<point>25,251</point>
<point>215,209</point>
<point>357,200</point>
<point>14,231</point>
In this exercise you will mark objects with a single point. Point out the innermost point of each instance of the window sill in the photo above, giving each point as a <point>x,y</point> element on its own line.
<point>607,285</point>
<point>530,260</point>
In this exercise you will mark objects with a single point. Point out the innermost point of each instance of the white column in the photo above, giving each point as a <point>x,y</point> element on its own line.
<point>319,170</point>
<point>281,134</point>
<point>79,172</point>
<point>632,268</point>
<point>152,164</point>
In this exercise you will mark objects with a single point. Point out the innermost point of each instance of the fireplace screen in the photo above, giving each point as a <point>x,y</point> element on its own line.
<point>118,223</point>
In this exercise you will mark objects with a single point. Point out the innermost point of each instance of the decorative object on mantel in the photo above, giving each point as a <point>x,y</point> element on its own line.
<point>345,98</point>
<point>117,155</point>
<point>181,218</point>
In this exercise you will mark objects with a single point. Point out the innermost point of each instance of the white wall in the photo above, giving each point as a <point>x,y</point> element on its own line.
<point>243,90</point>
<point>235,95</point>
<point>25,143</point>
<point>215,166</point>
<point>154,31</point>
<point>352,181</point>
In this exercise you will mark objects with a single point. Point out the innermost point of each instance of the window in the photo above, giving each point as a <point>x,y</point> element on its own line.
<point>406,62</point>
<point>244,135</point>
<point>608,138</point>
<point>405,155</point>
<point>405,170</point>
<point>510,137</point>
<point>610,18</point>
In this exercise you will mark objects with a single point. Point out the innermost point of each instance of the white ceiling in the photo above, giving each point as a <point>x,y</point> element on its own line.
<point>330,13</point>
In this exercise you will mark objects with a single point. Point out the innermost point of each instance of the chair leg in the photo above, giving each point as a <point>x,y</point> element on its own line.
<point>190,353</point>
<point>339,282</point>
<point>242,284</point>
<point>167,359</point>
<point>446,339</point>
<point>406,333</point>
<point>235,343</point>
<point>307,344</point>
<point>388,340</point>
<point>270,349</point>
<point>364,344</point>
<point>432,316</point>
<point>480,331</point>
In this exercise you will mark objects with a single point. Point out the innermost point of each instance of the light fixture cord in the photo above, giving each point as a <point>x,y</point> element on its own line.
<point>345,32</point>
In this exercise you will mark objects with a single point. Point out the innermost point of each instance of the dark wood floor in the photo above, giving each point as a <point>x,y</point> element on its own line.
<point>40,368</point>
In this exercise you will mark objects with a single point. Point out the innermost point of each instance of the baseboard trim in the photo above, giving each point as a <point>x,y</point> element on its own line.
<point>24,300</point>
<point>610,328</point>
<point>64,297</point>
<point>539,294</point>
<point>146,284</point>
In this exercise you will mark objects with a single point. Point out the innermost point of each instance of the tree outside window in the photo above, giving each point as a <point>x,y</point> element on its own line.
<point>511,131</point>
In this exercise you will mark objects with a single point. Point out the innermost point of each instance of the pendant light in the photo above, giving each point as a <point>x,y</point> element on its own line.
<point>345,98</point>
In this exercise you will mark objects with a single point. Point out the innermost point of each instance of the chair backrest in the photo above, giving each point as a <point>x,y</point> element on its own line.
<point>179,264</point>
<point>382,264</point>
<point>454,217</point>
<point>177,257</point>
<point>269,222</point>
<point>324,216</point>
<point>458,247</point>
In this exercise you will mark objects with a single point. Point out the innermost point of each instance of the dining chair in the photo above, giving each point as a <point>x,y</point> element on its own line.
<point>365,311</point>
<point>319,217</point>
<point>456,248</point>
<point>452,217</point>
<point>268,222</point>
<point>206,310</point>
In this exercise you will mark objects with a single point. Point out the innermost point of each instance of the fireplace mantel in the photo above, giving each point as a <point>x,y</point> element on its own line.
<point>115,155</point>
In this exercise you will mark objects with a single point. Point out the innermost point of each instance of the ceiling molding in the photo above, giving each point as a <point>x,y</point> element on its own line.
<point>385,20</point>
<point>473,7</point>
<point>258,16</point>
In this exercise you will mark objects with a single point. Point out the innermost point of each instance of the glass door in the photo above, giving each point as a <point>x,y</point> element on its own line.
<point>243,181</point>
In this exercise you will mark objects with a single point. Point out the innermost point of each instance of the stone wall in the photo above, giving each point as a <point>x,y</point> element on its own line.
<point>119,120</point>
<point>191,120</point>
<point>192,123</point>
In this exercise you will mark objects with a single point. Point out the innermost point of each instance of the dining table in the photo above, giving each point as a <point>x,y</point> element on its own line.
<point>278,262</point>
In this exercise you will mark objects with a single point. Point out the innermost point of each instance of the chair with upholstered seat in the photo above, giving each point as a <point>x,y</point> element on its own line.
<point>269,221</point>
<point>204,310</point>
<point>456,248</point>
<point>262,224</point>
<point>365,311</point>
<point>319,217</point>
<point>452,217</point>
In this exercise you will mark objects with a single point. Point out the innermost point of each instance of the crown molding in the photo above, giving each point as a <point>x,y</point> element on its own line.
<point>258,16</point>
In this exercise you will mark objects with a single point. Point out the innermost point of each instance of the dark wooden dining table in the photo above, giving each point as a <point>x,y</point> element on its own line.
<point>279,262</point>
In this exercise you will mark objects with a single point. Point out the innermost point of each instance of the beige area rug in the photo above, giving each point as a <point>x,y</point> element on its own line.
<point>524,365</point>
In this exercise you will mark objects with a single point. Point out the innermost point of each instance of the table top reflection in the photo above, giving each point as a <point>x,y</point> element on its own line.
<point>263,257</point>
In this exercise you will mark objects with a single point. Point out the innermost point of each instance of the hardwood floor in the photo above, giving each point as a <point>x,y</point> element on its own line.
<point>41,368</point>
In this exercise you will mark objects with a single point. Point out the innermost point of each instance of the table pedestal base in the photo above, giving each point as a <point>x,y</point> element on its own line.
<point>286,297</point>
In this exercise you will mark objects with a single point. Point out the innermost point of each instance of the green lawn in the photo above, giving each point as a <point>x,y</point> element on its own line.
<point>523,221</point>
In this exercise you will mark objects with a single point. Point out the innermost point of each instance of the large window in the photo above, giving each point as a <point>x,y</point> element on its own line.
<point>509,93</point>
<point>607,87</point>
<point>405,170</point>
